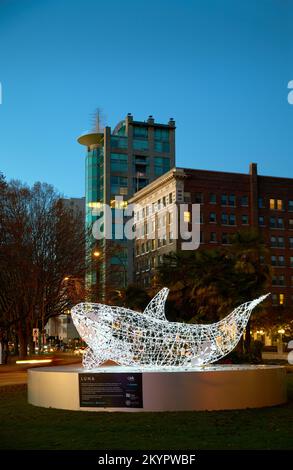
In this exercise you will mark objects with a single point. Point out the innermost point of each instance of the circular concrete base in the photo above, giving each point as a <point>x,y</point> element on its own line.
<point>219,387</point>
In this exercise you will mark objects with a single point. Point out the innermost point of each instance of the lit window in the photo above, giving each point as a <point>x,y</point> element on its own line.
<point>272,204</point>
<point>95,205</point>
<point>186,216</point>
<point>279,204</point>
<point>281,299</point>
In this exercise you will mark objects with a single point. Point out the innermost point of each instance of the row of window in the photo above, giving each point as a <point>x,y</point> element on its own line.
<point>119,163</point>
<point>154,207</point>
<point>231,200</point>
<point>139,143</point>
<point>142,132</point>
<point>225,199</point>
<point>280,280</point>
<point>279,242</point>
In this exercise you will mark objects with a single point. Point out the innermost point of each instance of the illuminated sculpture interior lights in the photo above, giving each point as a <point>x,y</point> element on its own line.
<point>149,340</point>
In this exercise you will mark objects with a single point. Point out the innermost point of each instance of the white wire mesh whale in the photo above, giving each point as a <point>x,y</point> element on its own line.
<point>148,339</point>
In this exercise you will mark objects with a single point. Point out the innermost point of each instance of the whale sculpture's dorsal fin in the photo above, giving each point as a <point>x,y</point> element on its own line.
<point>156,307</point>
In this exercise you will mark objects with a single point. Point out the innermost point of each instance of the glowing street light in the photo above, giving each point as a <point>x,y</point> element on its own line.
<point>96,254</point>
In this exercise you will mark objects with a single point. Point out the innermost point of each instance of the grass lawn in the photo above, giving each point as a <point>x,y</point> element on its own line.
<point>24,426</point>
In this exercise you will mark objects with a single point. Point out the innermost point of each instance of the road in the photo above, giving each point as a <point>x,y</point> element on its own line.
<point>15,374</point>
<point>15,377</point>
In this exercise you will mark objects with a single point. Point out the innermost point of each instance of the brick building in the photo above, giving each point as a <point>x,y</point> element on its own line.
<point>229,202</point>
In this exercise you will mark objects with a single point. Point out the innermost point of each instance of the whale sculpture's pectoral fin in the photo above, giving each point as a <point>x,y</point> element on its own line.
<point>90,360</point>
<point>156,307</point>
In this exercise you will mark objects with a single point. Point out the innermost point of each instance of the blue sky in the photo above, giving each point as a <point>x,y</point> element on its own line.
<point>220,68</point>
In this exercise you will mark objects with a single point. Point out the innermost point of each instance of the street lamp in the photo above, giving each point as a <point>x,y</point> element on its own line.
<point>96,254</point>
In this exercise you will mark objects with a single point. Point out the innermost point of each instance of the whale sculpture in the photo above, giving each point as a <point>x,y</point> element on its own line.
<point>148,339</point>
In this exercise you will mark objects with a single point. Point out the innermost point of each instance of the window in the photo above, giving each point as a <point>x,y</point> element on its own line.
<point>140,132</point>
<point>232,219</point>
<point>273,223</point>
<point>164,201</point>
<point>232,200</point>
<point>291,261</point>
<point>224,218</point>
<point>201,237</point>
<point>161,134</point>
<point>213,237</point>
<point>277,241</point>
<point>186,216</point>
<point>198,198</point>
<point>140,144</point>
<point>119,142</point>
<point>290,205</point>
<point>244,219</point>
<point>170,198</point>
<point>261,204</point>
<point>244,201</point>
<point>118,162</point>
<point>290,223</point>
<point>278,299</point>
<point>162,147</point>
<point>291,242</point>
<point>276,204</point>
<point>274,260</point>
<point>261,220</point>
<point>278,280</point>
<point>119,185</point>
<point>153,244</point>
<point>213,198</point>
<point>224,200</point>
<point>280,222</point>
<point>225,238</point>
<point>281,261</point>
<point>274,299</point>
<point>162,165</point>
<point>212,217</point>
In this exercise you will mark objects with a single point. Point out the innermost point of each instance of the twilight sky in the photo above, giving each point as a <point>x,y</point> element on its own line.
<point>220,68</point>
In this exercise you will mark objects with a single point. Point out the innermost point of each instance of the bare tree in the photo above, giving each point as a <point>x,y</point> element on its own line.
<point>41,244</point>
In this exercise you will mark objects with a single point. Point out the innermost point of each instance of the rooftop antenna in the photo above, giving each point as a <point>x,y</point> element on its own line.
<point>98,120</point>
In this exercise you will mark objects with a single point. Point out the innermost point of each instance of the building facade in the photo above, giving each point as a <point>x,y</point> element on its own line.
<point>228,202</point>
<point>118,164</point>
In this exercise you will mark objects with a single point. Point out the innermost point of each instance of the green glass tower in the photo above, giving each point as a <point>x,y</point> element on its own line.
<point>119,163</point>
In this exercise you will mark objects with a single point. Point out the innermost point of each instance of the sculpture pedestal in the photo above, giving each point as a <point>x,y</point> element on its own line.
<point>117,388</point>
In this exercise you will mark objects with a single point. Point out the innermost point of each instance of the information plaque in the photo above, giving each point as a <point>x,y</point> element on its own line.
<point>110,390</point>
